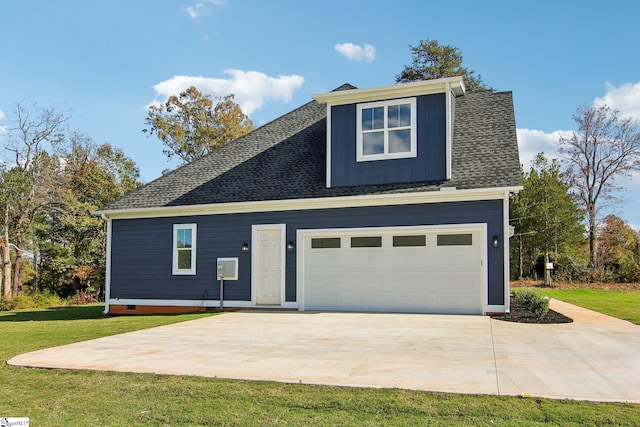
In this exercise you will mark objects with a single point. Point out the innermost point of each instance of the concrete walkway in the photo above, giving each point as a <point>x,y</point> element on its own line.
<point>595,358</point>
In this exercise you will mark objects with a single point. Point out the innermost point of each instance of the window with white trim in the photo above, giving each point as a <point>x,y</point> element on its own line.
<point>386,130</point>
<point>184,249</point>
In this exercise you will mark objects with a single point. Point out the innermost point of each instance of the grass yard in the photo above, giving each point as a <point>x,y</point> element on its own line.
<point>617,300</point>
<point>621,304</point>
<point>89,398</point>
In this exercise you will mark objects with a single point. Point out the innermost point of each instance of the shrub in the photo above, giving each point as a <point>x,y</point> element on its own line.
<point>82,297</point>
<point>533,301</point>
<point>32,299</point>
<point>572,268</point>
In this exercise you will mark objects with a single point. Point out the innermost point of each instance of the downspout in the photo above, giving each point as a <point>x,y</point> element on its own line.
<point>107,273</point>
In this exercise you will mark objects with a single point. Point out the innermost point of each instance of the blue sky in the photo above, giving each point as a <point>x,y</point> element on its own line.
<point>105,62</point>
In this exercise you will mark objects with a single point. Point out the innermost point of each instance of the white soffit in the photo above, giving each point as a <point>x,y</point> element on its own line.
<point>424,87</point>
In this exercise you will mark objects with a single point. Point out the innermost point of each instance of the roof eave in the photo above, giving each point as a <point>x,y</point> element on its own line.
<point>444,195</point>
<point>401,90</point>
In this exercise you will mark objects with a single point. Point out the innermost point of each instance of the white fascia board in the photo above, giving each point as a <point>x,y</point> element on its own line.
<point>401,90</point>
<point>317,203</point>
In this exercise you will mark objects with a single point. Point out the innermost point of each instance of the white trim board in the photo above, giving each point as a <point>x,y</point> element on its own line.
<point>191,303</point>
<point>302,234</point>
<point>328,183</point>
<point>402,90</point>
<point>445,195</point>
<point>107,275</point>
<point>282,228</point>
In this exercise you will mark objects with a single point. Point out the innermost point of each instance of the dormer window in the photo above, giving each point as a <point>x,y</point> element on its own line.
<point>386,130</point>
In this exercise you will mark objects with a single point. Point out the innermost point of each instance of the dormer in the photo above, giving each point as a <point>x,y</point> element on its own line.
<point>392,134</point>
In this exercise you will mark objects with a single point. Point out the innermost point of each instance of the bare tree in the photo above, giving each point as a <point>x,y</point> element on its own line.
<point>605,147</point>
<point>21,184</point>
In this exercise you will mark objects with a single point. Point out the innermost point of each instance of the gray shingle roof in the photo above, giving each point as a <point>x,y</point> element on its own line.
<point>285,159</point>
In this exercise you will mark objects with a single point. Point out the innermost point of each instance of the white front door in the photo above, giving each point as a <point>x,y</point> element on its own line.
<point>268,264</point>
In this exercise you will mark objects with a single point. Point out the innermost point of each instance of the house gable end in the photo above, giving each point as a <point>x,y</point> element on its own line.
<point>391,135</point>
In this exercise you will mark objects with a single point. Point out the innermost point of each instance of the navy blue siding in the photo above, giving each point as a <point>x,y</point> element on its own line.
<point>142,248</point>
<point>429,165</point>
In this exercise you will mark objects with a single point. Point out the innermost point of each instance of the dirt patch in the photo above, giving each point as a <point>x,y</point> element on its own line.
<point>520,314</point>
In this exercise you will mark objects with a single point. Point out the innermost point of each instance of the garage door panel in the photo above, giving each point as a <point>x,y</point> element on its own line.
<point>366,261</point>
<point>411,261</point>
<point>422,278</point>
<point>313,264</point>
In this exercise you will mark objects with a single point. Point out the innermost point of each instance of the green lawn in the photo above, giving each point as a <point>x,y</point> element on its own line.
<point>88,398</point>
<point>621,304</point>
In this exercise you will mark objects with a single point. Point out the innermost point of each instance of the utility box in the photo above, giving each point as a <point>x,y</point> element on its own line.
<point>228,268</point>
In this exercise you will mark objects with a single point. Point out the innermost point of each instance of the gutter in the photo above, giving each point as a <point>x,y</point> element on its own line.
<point>446,194</point>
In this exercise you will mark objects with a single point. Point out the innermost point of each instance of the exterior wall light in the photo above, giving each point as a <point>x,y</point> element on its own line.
<point>495,241</point>
<point>245,248</point>
<point>290,247</point>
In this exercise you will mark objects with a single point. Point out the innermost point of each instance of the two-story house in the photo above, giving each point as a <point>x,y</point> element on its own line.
<point>392,198</point>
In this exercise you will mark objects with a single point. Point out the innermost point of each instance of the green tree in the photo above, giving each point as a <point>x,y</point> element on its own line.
<point>618,249</point>
<point>605,147</point>
<point>50,186</point>
<point>72,239</point>
<point>547,220</point>
<point>190,125</point>
<point>430,60</point>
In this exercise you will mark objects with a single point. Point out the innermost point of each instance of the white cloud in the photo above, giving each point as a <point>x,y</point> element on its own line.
<point>3,129</point>
<point>531,142</point>
<point>355,52</point>
<point>250,88</point>
<point>202,8</point>
<point>625,98</point>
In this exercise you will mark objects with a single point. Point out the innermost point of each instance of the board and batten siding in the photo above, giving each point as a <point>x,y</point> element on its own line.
<point>141,249</point>
<point>429,165</point>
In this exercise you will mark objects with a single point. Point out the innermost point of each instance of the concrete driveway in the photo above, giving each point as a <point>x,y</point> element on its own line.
<point>595,358</point>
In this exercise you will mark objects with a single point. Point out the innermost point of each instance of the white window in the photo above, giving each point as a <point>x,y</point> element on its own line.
<point>386,130</point>
<point>184,249</point>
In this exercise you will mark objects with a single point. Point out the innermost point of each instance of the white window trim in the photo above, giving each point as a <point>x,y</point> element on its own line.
<point>183,271</point>
<point>361,157</point>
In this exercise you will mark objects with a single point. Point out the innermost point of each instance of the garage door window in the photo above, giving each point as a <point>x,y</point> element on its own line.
<point>366,242</point>
<point>325,243</point>
<point>455,240</point>
<point>406,241</point>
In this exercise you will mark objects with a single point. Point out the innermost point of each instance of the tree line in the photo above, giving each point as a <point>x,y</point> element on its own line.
<point>53,179</point>
<point>51,182</point>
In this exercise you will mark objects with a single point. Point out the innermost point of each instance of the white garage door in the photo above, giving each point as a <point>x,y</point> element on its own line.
<point>402,270</point>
